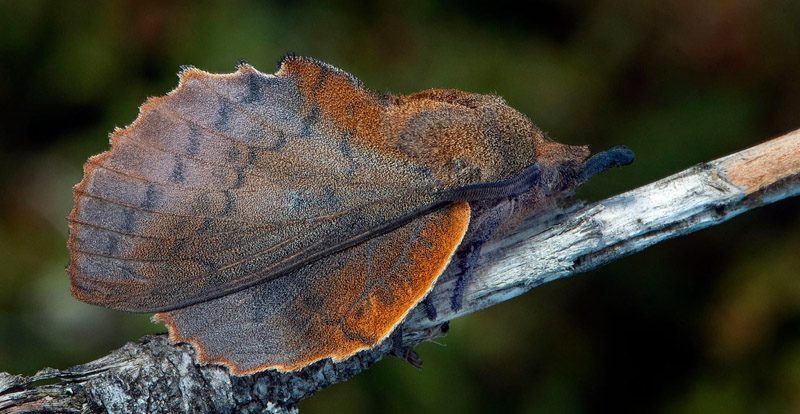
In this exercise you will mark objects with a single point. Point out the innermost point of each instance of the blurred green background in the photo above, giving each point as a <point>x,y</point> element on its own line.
<point>704,323</point>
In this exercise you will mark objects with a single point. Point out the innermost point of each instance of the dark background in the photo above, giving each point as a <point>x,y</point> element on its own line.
<point>705,323</point>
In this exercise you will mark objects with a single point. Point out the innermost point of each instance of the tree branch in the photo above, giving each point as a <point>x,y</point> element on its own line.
<point>547,249</point>
<point>154,376</point>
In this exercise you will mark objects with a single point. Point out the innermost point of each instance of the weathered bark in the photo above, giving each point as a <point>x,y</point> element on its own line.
<point>154,376</point>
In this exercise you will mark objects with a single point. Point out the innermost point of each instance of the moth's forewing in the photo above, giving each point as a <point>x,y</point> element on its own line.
<point>228,181</point>
<point>333,307</point>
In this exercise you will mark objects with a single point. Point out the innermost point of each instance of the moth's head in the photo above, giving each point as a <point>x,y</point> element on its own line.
<point>467,138</point>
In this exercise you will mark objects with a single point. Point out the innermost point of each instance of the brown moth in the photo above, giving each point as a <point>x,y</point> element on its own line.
<point>276,220</point>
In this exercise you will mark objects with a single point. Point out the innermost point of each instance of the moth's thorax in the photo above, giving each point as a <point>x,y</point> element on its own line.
<point>463,138</point>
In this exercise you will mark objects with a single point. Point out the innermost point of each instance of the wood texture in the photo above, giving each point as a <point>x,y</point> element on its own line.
<point>153,376</point>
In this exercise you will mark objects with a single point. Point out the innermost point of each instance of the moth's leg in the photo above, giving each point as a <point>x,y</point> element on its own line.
<point>490,221</point>
<point>466,265</point>
<point>405,353</point>
<point>430,310</point>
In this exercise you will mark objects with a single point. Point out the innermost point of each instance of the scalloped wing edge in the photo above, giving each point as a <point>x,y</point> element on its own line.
<point>93,163</point>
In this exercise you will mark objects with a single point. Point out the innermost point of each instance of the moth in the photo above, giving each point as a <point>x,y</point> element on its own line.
<point>276,220</point>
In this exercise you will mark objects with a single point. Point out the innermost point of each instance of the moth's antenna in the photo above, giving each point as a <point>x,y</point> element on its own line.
<point>615,157</point>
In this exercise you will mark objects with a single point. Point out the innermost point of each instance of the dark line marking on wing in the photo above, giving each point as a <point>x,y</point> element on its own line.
<point>255,118</point>
<point>234,155</point>
<point>112,244</point>
<point>255,92</point>
<point>128,219</point>
<point>129,273</point>
<point>347,152</point>
<point>151,196</point>
<point>279,143</point>
<point>194,124</point>
<point>240,177</point>
<point>229,202</point>
<point>194,138</point>
<point>204,225</point>
<point>252,155</point>
<point>309,122</point>
<point>414,237</point>
<point>166,184</point>
<point>143,144</point>
<point>323,76</point>
<point>177,171</point>
<point>373,245</point>
<point>284,222</point>
<point>170,214</point>
<point>223,115</point>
